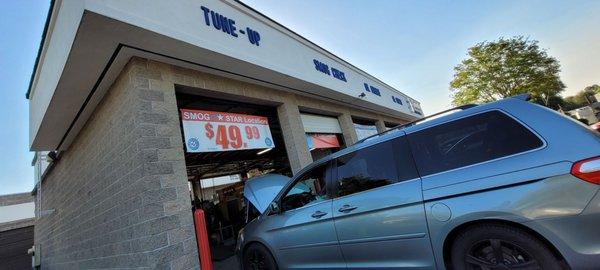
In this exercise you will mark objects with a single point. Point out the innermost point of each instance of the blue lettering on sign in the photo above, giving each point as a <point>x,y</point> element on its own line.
<point>324,68</point>
<point>320,66</point>
<point>227,25</point>
<point>253,36</point>
<point>372,89</point>
<point>338,74</point>
<point>375,90</point>
<point>397,100</point>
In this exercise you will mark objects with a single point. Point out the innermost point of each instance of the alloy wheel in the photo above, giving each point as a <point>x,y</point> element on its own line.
<point>257,261</point>
<point>496,254</point>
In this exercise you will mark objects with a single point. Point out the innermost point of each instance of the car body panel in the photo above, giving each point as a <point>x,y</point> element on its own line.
<point>400,240</point>
<point>576,236</point>
<point>547,199</point>
<point>299,241</point>
<point>533,189</point>
<point>497,178</point>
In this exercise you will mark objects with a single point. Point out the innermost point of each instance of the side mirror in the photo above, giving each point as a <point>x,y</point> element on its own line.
<point>274,207</point>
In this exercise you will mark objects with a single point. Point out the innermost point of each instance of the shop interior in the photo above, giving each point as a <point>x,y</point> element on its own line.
<point>364,127</point>
<point>217,178</point>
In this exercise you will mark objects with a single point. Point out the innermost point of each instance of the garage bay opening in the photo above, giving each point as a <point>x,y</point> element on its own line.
<point>228,141</point>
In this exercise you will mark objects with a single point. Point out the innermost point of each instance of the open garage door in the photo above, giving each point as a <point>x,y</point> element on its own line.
<point>228,141</point>
<point>323,134</point>
<point>314,123</point>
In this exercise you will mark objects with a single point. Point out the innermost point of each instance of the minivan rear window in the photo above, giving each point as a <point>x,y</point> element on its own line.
<point>470,140</point>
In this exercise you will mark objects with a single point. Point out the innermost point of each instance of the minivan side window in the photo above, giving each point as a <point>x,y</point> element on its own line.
<point>311,188</point>
<point>470,140</point>
<point>374,166</point>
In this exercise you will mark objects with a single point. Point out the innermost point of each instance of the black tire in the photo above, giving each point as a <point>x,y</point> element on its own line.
<point>258,257</point>
<point>483,246</point>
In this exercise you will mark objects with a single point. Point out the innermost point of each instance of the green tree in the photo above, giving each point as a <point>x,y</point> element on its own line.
<point>582,98</point>
<point>593,89</point>
<point>504,68</point>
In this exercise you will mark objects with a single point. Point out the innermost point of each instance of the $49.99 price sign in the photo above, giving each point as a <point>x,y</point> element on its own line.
<point>207,131</point>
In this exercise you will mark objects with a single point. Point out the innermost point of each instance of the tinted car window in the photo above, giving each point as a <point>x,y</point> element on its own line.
<point>406,165</point>
<point>367,168</point>
<point>311,188</point>
<point>470,140</point>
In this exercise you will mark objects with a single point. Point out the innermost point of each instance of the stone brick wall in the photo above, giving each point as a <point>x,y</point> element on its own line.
<point>120,192</point>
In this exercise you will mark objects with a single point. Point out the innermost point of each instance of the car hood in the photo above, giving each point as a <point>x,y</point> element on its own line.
<point>261,190</point>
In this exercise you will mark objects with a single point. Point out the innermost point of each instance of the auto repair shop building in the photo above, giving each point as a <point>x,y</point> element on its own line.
<point>150,107</point>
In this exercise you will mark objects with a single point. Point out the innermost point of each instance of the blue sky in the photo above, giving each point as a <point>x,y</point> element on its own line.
<point>411,45</point>
<point>21,25</point>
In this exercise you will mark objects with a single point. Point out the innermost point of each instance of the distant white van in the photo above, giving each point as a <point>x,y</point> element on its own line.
<point>586,113</point>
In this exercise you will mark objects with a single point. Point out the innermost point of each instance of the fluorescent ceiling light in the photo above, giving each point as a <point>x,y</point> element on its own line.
<point>263,151</point>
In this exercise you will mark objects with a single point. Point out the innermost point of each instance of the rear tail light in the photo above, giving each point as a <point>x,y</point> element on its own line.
<point>588,170</point>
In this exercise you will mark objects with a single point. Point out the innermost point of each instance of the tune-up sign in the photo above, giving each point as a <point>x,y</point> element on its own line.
<point>228,26</point>
<point>207,131</point>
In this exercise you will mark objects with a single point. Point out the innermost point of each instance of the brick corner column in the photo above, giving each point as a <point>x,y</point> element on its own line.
<point>348,130</point>
<point>380,126</point>
<point>158,112</point>
<point>293,135</point>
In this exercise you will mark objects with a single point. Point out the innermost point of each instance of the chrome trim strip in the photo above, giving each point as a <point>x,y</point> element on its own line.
<point>384,238</point>
<point>324,244</point>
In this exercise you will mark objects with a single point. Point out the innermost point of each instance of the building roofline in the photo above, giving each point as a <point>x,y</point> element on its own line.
<point>15,198</point>
<point>17,224</point>
<point>319,47</point>
<point>39,53</point>
<point>49,17</point>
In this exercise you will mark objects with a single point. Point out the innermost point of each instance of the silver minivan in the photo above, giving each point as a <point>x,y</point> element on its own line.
<point>504,185</point>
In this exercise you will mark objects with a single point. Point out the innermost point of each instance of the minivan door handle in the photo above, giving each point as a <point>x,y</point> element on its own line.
<point>318,214</point>
<point>347,208</point>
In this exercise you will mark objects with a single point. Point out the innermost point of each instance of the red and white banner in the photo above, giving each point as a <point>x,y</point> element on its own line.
<point>207,131</point>
<point>318,141</point>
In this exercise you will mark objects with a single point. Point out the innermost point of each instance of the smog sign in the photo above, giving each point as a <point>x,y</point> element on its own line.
<point>207,131</point>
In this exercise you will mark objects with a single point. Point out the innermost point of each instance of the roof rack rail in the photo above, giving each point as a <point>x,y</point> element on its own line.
<point>462,107</point>
<point>524,97</point>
